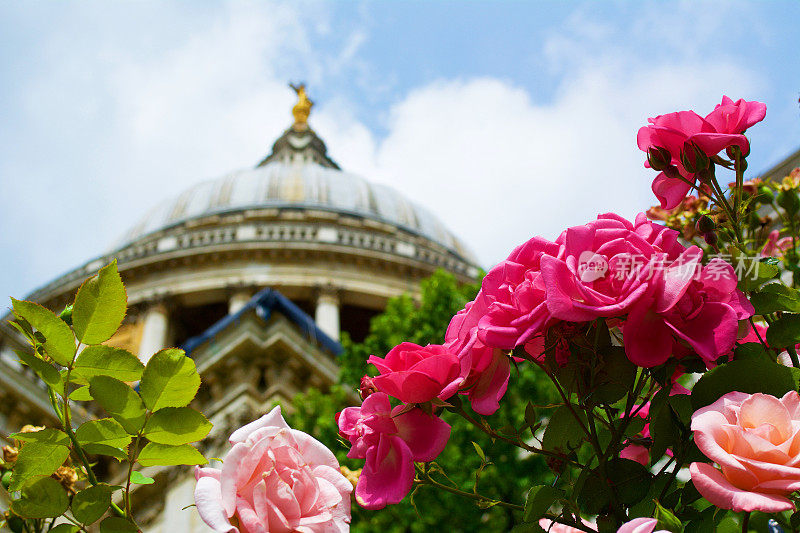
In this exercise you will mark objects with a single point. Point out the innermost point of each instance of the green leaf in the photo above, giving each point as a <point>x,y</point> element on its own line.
<point>65,528</point>
<point>775,297</point>
<point>614,376</point>
<point>99,306</point>
<point>784,332</point>
<point>630,480</point>
<point>46,435</point>
<point>170,379</point>
<point>563,430</point>
<point>120,401</point>
<point>753,350</point>
<point>667,520</point>
<point>81,394</point>
<point>37,459</point>
<point>59,341</point>
<point>44,370</point>
<point>177,425</point>
<point>104,431</point>
<point>103,449</point>
<point>594,495</point>
<point>115,524</point>
<point>140,479</point>
<point>103,360</point>
<point>91,503</point>
<point>155,454</point>
<point>479,451</point>
<point>747,375</point>
<point>43,498</point>
<point>539,500</point>
<point>753,273</point>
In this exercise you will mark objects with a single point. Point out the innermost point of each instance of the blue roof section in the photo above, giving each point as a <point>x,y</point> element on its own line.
<point>266,302</point>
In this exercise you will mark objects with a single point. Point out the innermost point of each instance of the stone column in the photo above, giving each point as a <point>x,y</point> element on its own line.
<point>154,331</point>
<point>327,312</point>
<point>238,300</point>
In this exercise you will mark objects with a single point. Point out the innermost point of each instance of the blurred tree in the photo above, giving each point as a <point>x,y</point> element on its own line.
<point>511,471</point>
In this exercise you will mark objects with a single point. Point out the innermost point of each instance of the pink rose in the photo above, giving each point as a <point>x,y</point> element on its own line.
<point>414,374</point>
<point>701,307</point>
<point>604,267</point>
<point>640,525</point>
<point>274,479</point>
<point>488,368</point>
<point>736,117</point>
<point>554,527</point>
<point>775,246</point>
<point>391,441</point>
<point>637,452</point>
<point>675,132</point>
<point>755,440</point>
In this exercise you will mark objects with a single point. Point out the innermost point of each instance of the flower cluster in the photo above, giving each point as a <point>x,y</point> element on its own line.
<point>680,144</point>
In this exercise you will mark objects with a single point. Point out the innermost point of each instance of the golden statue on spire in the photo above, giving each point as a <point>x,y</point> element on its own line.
<point>302,108</point>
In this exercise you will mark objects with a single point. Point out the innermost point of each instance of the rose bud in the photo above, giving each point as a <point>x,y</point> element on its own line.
<point>658,158</point>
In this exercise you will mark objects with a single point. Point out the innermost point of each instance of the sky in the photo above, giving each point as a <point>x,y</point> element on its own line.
<point>505,119</point>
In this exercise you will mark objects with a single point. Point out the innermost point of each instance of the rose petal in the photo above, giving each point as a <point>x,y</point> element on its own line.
<point>713,486</point>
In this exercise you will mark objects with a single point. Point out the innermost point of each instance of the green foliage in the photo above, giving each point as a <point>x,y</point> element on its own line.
<point>90,504</point>
<point>176,425</point>
<point>508,476</point>
<point>775,297</point>
<point>170,379</point>
<point>100,360</point>
<point>120,401</point>
<point>42,498</point>
<point>784,332</point>
<point>155,454</point>
<point>37,459</point>
<point>99,306</point>
<point>56,337</point>
<point>99,373</point>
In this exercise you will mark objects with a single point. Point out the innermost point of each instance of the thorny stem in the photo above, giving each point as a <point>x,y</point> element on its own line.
<point>471,495</point>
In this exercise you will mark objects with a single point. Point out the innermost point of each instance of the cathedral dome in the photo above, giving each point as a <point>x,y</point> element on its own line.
<point>296,182</point>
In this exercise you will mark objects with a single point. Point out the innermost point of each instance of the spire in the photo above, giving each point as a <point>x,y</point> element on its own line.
<point>302,108</point>
<point>299,142</point>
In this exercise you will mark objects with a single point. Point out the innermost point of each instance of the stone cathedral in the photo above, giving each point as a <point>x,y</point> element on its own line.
<point>254,274</point>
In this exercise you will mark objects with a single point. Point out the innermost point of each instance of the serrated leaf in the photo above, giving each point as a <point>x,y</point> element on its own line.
<point>563,430</point>
<point>101,360</point>
<point>155,454</point>
<point>99,306</point>
<point>46,435</point>
<point>91,503</point>
<point>775,297</point>
<point>177,425</point>
<point>784,332</point>
<point>37,459</point>
<point>170,379</point>
<point>140,479</point>
<point>44,370</point>
<point>103,449</point>
<point>59,341</point>
<point>115,524</point>
<point>81,394</point>
<point>104,431</point>
<point>43,498</point>
<point>120,401</point>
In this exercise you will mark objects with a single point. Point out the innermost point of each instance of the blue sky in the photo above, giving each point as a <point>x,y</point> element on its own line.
<point>506,119</point>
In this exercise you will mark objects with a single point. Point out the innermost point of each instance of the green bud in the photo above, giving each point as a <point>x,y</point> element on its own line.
<point>789,201</point>
<point>765,195</point>
<point>693,158</point>
<point>659,158</point>
<point>705,224</point>
<point>6,479</point>
<point>666,520</point>
<point>66,315</point>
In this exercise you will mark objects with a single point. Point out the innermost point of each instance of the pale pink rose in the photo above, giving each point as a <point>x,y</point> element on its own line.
<point>391,441</point>
<point>416,374</point>
<point>554,527</point>
<point>641,525</point>
<point>755,441</point>
<point>276,479</point>
<point>698,306</point>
